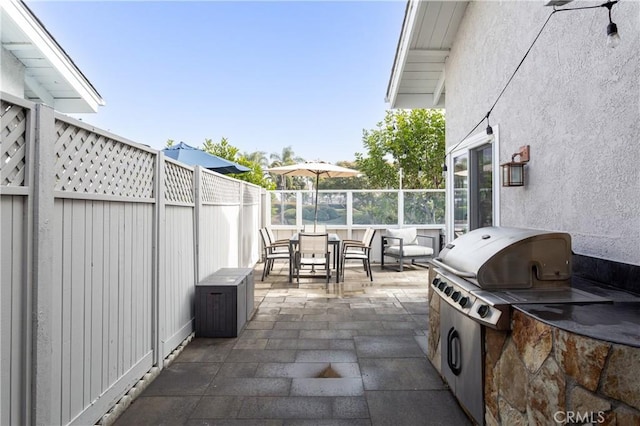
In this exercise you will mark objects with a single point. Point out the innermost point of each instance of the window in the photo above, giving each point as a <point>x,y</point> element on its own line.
<point>472,191</point>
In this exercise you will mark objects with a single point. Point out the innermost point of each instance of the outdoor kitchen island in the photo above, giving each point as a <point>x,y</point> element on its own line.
<point>550,363</point>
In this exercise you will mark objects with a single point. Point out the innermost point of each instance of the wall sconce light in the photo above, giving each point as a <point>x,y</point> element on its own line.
<point>513,172</point>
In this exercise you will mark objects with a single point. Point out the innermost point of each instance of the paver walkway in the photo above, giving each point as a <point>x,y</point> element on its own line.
<point>349,354</point>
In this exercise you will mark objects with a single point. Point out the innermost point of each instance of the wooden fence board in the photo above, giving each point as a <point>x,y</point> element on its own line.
<point>17,311</point>
<point>98,346</point>
<point>221,251</point>
<point>87,293</point>
<point>179,274</point>
<point>76,320</point>
<point>128,235</point>
<point>12,232</point>
<point>6,328</point>
<point>114,299</point>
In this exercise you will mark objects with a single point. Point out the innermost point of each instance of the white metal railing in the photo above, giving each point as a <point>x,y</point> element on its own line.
<point>349,212</point>
<point>345,209</point>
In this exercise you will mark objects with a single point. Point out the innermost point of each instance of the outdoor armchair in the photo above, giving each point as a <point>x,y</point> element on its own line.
<point>406,244</point>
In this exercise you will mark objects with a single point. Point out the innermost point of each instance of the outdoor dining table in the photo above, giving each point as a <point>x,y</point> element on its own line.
<point>334,241</point>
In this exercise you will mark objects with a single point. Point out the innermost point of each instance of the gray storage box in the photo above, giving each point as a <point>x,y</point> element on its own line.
<point>224,302</point>
<point>248,274</point>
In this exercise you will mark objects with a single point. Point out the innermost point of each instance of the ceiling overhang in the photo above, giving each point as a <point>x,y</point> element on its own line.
<point>418,75</point>
<point>50,76</point>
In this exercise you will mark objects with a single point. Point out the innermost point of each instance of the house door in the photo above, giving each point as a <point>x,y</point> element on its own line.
<point>472,191</point>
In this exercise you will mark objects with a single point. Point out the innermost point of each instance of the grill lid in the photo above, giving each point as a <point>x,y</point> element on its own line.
<point>503,257</point>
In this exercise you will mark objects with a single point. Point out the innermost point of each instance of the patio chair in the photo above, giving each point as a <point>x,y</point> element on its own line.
<point>360,241</point>
<point>359,250</point>
<point>274,241</point>
<point>406,244</point>
<point>313,250</point>
<point>272,253</point>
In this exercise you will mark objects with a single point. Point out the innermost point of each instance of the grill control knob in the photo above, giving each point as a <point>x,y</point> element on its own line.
<point>441,285</point>
<point>435,282</point>
<point>448,290</point>
<point>455,296</point>
<point>463,302</point>
<point>483,311</point>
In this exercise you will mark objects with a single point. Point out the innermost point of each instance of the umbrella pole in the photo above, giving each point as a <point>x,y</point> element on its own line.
<point>315,218</point>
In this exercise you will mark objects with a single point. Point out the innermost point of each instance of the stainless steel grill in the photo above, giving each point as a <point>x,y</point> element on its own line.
<point>480,276</point>
<point>486,271</point>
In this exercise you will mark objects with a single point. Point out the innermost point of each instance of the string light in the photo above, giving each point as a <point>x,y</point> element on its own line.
<point>613,40</point>
<point>489,128</point>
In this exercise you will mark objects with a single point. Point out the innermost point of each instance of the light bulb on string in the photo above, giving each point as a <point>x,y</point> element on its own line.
<point>489,129</point>
<point>613,39</point>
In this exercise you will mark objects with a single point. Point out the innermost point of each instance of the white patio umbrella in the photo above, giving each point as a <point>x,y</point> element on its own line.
<point>315,169</point>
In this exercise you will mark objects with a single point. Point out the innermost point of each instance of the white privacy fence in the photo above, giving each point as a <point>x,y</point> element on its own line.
<point>101,241</point>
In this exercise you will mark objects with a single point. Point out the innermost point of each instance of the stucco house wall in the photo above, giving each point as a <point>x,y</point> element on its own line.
<point>11,74</point>
<point>575,101</point>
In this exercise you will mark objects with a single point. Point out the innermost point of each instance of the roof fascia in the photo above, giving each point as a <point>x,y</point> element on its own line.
<point>52,51</point>
<point>402,51</point>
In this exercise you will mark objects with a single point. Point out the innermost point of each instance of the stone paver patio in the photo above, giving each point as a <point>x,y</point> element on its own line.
<point>348,354</point>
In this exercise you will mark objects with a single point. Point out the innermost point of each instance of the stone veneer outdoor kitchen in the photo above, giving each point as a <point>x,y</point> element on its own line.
<point>539,374</point>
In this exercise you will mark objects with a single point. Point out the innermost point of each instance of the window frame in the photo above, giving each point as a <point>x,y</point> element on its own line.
<point>467,147</point>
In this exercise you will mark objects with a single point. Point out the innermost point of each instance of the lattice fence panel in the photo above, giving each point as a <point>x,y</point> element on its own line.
<point>90,163</point>
<point>251,195</point>
<point>218,190</point>
<point>13,125</point>
<point>178,183</point>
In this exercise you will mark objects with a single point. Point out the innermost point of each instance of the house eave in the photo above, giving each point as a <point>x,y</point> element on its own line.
<point>417,77</point>
<point>55,70</point>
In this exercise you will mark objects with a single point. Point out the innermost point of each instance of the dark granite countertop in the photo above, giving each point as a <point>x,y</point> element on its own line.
<point>615,322</point>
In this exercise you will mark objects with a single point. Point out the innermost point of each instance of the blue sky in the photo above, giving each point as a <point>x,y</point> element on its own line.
<point>265,75</point>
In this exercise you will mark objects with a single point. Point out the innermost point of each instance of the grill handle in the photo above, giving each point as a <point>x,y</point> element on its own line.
<point>454,353</point>
<point>438,262</point>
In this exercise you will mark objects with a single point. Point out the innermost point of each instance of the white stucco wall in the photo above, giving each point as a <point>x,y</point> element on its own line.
<point>12,74</point>
<point>575,101</point>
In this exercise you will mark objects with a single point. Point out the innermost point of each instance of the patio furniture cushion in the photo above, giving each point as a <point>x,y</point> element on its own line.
<point>409,235</point>
<point>406,244</point>
<point>410,251</point>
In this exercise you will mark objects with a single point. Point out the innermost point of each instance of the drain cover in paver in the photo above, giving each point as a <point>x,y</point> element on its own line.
<point>328,373</point>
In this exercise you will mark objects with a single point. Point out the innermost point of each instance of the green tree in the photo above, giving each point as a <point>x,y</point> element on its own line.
<point>256,176</point>
<point>287,157</point>
<point>355,182</point>
<point>170,143</point>
<point>411,140</point>
<point>229,152</point>
<point>259,157</point>
<point>222,149</point>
